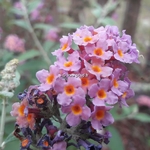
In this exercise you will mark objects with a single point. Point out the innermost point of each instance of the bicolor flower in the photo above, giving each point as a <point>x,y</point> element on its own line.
<point>126,53</point>
<point>99,50</point>
<point>83,36</point>
<point>76,111</point>
<point>72,63</point>
<point>67,90</point>
<point>47,78</point>
<point>65,43</point>
<point>23,119</point>
<point>126,93</point>
<point>101,117</point>
<point>101,94</point>
<point>117,84</point>
<point>98,68</point>
<point>87,79</point>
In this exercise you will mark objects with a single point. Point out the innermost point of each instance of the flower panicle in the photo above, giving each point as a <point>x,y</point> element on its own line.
<point>75,96</point>
<point>9,78</point>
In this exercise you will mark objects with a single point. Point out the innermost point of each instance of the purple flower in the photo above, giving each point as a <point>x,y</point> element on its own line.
<point>76,111</point>
<point>101,94</point>
<point>72,63</point>
<point>67,90</point>
<point>98,68</point>
<point>14,43</point>
<point>117,84</point>
<point>101,117</point>
<point>99,50</point>
<point>84,36</point>
<point>52,35</point>
<point>59,145</point>
<point>47,78</point>
<point>126,93</point>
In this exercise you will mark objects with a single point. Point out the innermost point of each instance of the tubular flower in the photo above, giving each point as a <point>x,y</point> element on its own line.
<point>74,97</point>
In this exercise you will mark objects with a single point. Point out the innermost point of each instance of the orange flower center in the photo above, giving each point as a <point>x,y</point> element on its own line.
<point>45,143</point>
<point>64,46</point>
<point>124,95</point>
<point>50,79</point>
<point>30,117</point>
<point>101,94</point>
<point>68,64</point>
<point>24,142</point>
<point>87,39</point>
<point>84,81</point>
<point>96,68</point>
<point>40,101</point>
<point>98,52</point>
<point>115,83</point>
<point>76,109</point>
<point>69,90</point>
<point>21,110</point>
<point>120,53</point>
<point>100,114</point>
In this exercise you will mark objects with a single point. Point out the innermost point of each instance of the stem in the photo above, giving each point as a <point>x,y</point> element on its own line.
<point>2,124</point>
<point>31,30</point>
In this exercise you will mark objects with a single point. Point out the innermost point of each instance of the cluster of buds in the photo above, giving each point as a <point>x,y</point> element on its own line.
<point>8,76</point>
<point>75,96</point>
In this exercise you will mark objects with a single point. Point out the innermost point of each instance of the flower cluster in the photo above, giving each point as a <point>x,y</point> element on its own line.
<point>14,43</point>
<point>78,91</point>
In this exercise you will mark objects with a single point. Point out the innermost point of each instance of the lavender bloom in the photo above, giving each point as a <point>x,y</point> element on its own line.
<point>74,97</point>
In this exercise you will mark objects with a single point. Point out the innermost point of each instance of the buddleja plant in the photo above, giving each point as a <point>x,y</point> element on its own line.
<point>71,105</point>
<point>8,83</point>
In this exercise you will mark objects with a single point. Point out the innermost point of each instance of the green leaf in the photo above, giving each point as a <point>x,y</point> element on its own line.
<point>15,145</point>
<point>16,11</point>
<point>6,94</point>
<point>106,21</point>
<point>70,25</point>
<point>110,6</point>
<point>48,45</point>
<point>97,10</point>
<point>141,117</point>
<point>43,26</point>
<point>28,55</point>
<point>115,140</point>
<point>10,138</point>
<point>21,23</point>
<point>31,5</point>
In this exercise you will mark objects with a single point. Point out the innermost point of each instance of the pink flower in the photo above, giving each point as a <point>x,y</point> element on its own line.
<point>98,68</point>
<point>99,50</point>
<point>126,93</point>
<point>65,43</point>
<point>72,63</point>
<point>67,90</point>
<point>52,35</point>
<point>143,100</point>
<point>84,36</point>
<point>59,145</point>
<point>101,117</point>
<point>76,111</point>
<point>101,94</point>
<point>23,119</point>
<point>47,78</point>
<point>35,14</point>
<point>87,79</point>
<point>117,84</point>
<point>14,43</point>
